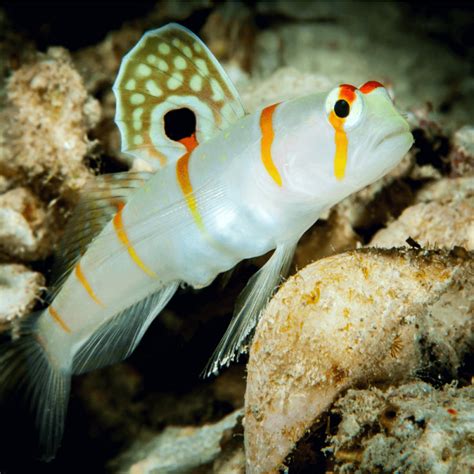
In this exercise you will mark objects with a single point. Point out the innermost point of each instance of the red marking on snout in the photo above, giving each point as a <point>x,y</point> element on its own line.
<point>370,86</point>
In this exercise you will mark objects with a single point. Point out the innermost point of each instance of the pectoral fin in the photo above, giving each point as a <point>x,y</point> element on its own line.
<point>248,307</point>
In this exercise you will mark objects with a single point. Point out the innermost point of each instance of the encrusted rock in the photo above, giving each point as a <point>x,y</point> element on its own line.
<point>284,84</point>
<point>431,225</point>
<point>4,184</point>
<point>326,238</point>
<point>183,450</point>
<point>49,116</point>
<point>445,190</point>
<point>25,226</point>
<point>19,291</point>
<point>411,428</point>
<point>443,217</point>
<point>462,153</point>
<point>357,318</point>
<point>229,32</point>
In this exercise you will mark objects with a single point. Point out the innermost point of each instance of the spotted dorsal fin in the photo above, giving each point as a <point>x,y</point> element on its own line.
<point>170,69</point>
<point>98,204</point>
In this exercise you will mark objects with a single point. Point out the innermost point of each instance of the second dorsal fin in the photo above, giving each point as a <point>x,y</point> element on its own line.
<point>97,206</point>
<point>170,69</point>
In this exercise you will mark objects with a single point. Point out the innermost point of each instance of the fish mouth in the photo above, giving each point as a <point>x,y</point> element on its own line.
<point>395,144</point>
<point>390,149</point>
<point>402,130</point>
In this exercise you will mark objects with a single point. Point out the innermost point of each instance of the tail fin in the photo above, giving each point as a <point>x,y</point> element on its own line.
<point>28,372</point>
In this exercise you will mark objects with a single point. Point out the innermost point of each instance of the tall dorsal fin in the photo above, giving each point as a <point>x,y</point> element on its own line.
<point>98,204</point>
<point>169,69</point>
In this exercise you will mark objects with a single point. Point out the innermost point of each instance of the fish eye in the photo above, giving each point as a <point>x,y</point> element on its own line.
<point>342,108</point>
<point>345,107</point>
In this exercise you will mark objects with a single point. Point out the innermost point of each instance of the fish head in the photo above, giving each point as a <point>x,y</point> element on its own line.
<point>342,141</point>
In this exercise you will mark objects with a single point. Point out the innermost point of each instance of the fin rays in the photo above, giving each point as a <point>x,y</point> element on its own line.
<point>26,368</point>
<point>93,212</point>
<point>171,68</point>
<point>117,338</point>
<point>247,309</point>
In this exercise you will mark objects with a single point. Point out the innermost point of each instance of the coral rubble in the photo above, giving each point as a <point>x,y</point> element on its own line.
<point>48,116</point>
<point>362,317</point>
<point>410,428</point>
<point>19,291</point>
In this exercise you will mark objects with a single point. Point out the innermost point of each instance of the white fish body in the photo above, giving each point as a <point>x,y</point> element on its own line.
<point>233,187</point>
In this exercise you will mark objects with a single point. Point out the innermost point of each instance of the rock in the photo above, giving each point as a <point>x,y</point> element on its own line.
<point>98,66</point>
<point>184,449</point>
<point>357,318</point>
<point>446,190</point>
<point>381,201</point>
<point>19,291</point>
<point>462,153</point>
<point>411,428</point>
<point>178,10</point>
<point>25,226</point>
<point>334,41</point>
<point>431,225</point>
<point>443,218</point>
<point>229,32</point>
<point>48,118</point>
<point>4,184</point>
<point>283,84</point>
<point>327,237</point>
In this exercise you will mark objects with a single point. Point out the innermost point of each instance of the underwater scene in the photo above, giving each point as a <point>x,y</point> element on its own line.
<point>236,237</point>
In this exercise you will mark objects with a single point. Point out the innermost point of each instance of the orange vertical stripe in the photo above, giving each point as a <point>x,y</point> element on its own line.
<point>122,235</point>
<point>189,142</point>
<point>346,92</point>
<point>184,181</point>
<point>182,175</point>
<point>80,276</point>
<point>266,125</point>
<point>341,141</point>
<point>59,320</point>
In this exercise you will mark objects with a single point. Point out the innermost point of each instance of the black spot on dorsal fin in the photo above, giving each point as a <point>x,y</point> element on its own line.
<point>180,123</point>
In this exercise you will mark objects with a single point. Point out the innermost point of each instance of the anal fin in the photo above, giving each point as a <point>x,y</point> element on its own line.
<point>118,337</point>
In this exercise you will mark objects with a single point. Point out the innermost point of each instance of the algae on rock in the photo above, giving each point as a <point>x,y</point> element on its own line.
<point>411,428</point>
<point>358,318</point>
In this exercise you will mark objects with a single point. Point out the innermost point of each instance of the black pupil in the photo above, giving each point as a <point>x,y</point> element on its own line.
<point>341,108</point>
<point>179,123</point>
